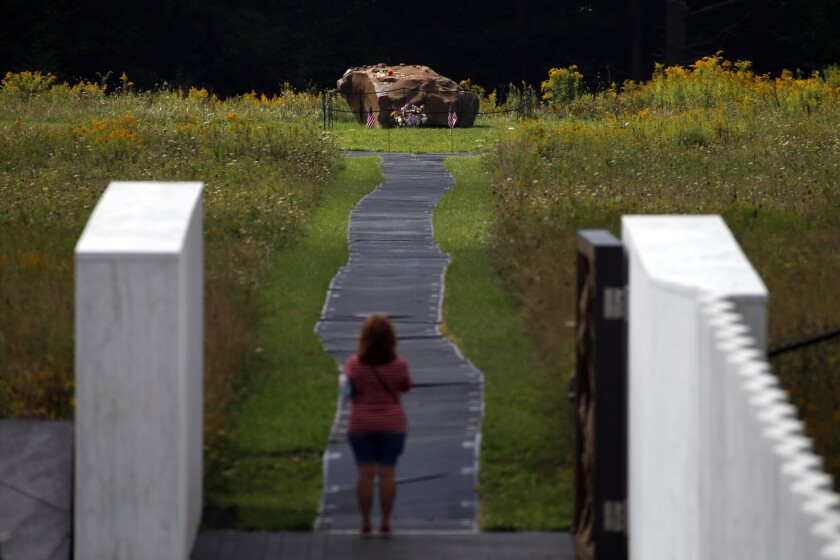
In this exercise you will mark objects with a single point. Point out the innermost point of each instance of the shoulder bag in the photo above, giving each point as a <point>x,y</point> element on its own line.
<point>384,385</point>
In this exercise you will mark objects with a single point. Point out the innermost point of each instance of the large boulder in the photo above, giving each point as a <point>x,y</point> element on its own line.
<point>384,88</point>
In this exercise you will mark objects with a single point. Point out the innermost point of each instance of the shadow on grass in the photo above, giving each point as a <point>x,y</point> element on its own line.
<point>237,518</point>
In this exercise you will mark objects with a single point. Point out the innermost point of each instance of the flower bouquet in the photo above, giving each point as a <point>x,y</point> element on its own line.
<point>409,115</point>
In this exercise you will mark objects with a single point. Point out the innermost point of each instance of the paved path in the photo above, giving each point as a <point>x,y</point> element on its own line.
<point>331,546</point>
<point>396,269</point>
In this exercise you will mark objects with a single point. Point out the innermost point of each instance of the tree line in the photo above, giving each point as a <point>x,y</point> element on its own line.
<point>234,46</point>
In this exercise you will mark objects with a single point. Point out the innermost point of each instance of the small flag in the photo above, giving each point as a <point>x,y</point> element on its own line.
<point>371,119</point>
<point>453,117</point>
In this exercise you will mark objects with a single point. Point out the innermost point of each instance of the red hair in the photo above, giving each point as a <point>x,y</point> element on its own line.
<point>377,341</point>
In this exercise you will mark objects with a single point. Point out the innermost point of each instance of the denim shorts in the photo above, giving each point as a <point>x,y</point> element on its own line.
<point>377,448</point>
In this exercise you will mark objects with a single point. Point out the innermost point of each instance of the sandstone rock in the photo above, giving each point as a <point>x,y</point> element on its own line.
<point>385,88</point>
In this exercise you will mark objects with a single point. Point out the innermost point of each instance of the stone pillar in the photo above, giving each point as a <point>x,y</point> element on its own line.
<point>139,373</point>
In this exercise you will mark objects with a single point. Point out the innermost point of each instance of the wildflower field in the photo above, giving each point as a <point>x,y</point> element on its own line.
<point>265,168</point>
<point>764,152</point>
<point>714,137</point>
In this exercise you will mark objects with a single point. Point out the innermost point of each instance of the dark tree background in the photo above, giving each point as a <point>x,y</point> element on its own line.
<point>233,46</point>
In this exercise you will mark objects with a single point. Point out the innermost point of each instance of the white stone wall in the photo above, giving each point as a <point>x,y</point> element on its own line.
<point>139,373</point>
<point>718,465</point>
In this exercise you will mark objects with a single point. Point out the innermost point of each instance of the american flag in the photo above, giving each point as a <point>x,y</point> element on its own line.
<point>371,119</point>
<point>453,117</point>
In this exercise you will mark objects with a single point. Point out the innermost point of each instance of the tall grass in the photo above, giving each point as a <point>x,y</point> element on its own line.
<point>713,138</point>
<point>265,168</point>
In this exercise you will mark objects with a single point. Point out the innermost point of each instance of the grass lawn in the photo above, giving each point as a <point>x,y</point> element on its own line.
<point>270,478</point>
<point>480,138</point>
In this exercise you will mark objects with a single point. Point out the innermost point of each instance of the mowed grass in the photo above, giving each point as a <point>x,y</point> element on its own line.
<point>526,464</point>
<point>480,138</point>
<point>269,476</point>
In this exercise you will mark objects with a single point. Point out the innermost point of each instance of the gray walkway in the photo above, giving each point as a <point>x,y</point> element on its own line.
<point>397,269</point>
<point>330,546</point>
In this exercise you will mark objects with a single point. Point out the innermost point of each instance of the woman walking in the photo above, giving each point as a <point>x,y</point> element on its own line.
<point>377,425</point>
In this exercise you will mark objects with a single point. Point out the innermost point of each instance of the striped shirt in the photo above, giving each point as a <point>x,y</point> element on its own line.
<point>374,410</point>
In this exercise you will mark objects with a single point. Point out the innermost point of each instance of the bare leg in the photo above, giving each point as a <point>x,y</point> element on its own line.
<point>387,494</point>
<point>364,492</point>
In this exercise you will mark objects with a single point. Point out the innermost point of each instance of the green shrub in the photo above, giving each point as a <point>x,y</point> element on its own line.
<point>26,84</point>
<point>831,76</point>
<point>563,86</point>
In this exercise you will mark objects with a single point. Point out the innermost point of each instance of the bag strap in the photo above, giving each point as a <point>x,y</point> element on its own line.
<point>384,385</point>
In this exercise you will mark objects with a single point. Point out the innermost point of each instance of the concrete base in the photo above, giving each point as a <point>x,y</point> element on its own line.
<point>36,488</point>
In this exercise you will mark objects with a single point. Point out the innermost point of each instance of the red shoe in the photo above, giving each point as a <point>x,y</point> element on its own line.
<point>366,531</point>
<point>385,531</point>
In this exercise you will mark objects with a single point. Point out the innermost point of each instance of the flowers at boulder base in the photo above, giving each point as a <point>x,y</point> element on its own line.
<point>409,115</point>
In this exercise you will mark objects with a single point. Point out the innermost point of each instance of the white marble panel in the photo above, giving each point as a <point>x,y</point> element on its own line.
<point>695,256</point>
<point>675,262</point>
<point>719,464</point>
<point>139,373</point>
